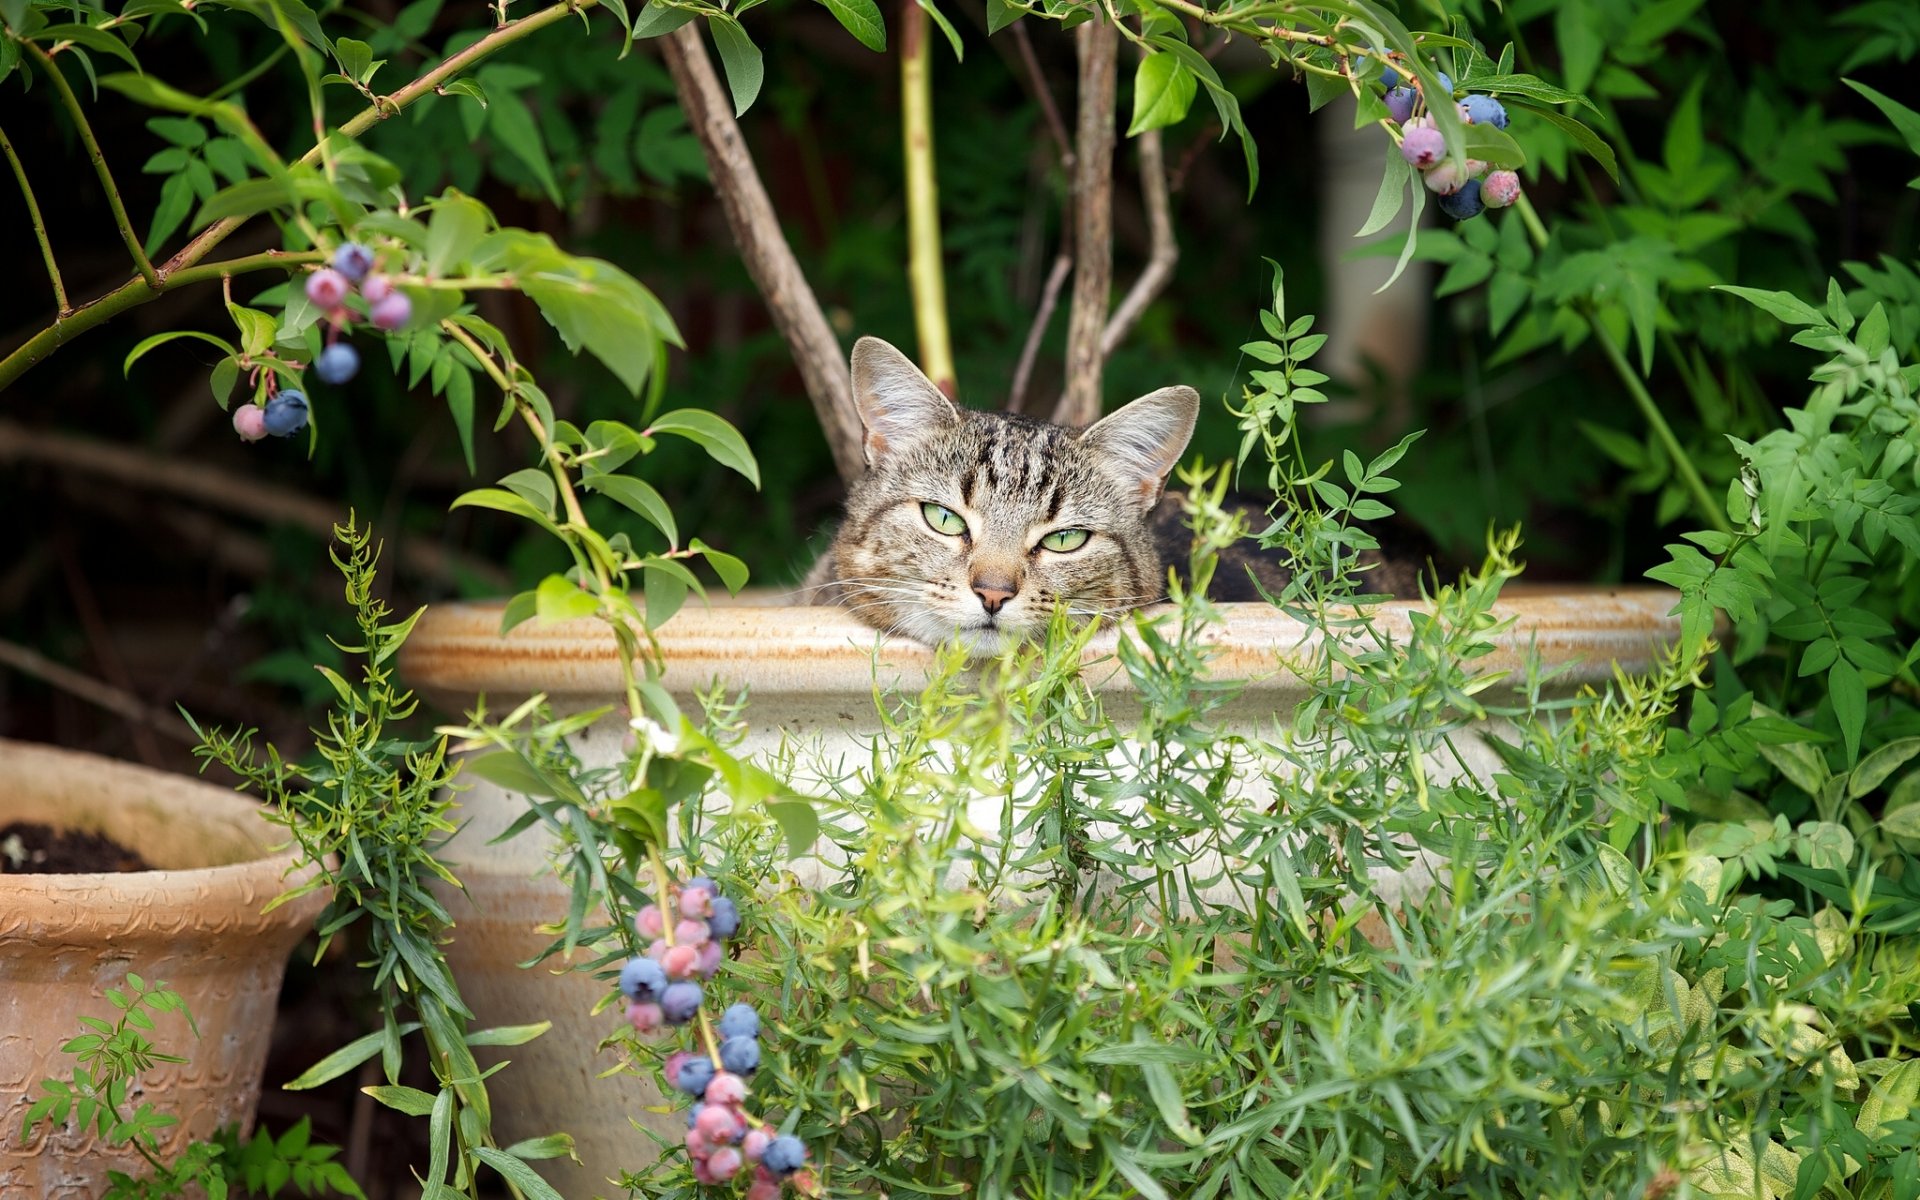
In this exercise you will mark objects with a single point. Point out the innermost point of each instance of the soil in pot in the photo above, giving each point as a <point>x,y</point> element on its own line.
<point>29,848</point>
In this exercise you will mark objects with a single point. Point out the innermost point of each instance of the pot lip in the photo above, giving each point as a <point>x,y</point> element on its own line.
<point>185,798</point>
<point>455,651</point>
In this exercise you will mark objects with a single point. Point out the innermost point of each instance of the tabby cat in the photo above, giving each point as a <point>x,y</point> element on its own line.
<point>976,525</point>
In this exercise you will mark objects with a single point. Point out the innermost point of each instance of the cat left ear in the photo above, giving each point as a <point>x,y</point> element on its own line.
<point>1144,440</point>
<point>898,405</point>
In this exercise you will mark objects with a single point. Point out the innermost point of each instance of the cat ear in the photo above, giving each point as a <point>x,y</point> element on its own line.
<point>1144,440</point>
<point>898,405</point>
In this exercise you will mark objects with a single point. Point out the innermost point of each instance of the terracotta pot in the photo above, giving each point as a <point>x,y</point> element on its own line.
<point>811,674</point>
<point>194,923</point>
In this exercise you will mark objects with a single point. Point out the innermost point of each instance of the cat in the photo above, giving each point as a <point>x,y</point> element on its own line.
<point>974,526</point>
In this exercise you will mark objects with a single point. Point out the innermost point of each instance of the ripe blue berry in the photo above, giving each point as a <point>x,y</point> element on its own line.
<point>693,1114</point>
<point>337,364</point>
<point>1400,102</point>
<point>785,1155</point>
<point>642,979</point>
<point>680,1001</point>
<point>353,260</point>
<point>741,1055</point>
<point>1446,82</point>
<point>286,414</point>
<point>724,920</point>
<point>1484,110</point>
<point>701,881</point>
<point>1464,203</point>
<point>740,1021</point>
<point>694,1076</point>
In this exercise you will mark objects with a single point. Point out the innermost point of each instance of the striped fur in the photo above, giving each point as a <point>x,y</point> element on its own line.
<point>1014,481</point>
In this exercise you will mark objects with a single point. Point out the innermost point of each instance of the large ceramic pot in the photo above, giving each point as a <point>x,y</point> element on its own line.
<point>811,674</point>
<point>194,922</point>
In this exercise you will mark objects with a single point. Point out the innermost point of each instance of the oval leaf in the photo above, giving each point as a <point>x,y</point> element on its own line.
<point>714,435</point>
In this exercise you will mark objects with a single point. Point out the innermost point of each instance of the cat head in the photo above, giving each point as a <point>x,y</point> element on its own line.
<point>976,525</point>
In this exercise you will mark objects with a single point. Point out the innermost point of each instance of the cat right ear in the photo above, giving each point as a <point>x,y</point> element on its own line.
<point>898,405</point>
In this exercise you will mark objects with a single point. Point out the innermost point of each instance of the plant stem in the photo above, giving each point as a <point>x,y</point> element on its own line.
<point>99,159</point>
<point>175,270</point>
<point>39,226</point>
<point>1637,388</point>
<point>924,270</point>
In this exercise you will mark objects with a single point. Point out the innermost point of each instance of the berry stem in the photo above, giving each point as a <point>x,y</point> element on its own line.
<point>99,160</point>
<point>39,225</point>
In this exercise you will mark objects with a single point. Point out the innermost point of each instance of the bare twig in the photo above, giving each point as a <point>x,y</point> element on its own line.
<point>99,160</point>
<point>39,226</point>
<point>1097,43</point>
<point>1042,93</point>
<point>32,663</point>
<point>925,272</point>
<point>775,271</point>
<point>1037,333</point>
<point>198,482</point>
<point>1162,255</point>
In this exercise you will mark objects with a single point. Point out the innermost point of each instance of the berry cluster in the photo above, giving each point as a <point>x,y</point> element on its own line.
<point>1463,194</point>
<point>328,288</point>
<point>283,415</point>
<point>663,988</point>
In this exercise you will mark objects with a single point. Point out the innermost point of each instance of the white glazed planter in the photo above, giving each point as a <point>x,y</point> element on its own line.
<point>811,674</point>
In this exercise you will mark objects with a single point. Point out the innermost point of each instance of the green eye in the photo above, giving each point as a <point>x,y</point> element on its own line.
<point>1063,540</point>
<point>942,519</point>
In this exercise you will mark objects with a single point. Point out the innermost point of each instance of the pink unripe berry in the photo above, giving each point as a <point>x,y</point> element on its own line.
<point>674,1062</point>
<point>717,1123</point>
<point>755,1144</point>
<point>696,902</point>
<point>327,288</point>
<point>724,1163</point>
<point>764,1189</point>
<point>708,962</point>
<point>393,311</point>
<point>1423,147</point>
<point>376,288</point>
<point>250,422</point>
<point>649,922</point>
<point>680,961</point>
<point>657,949</point>
<point>645,1017</point>
<point>1500,189</point>
<point>702,1173</point>
<point>1446,178</point>
<point>697,1143</point>
<point>691,933</point>
<point>726,1088</point>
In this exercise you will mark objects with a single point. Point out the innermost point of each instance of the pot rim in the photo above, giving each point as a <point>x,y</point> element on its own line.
<point>455,651</point>
<point>91,905</point>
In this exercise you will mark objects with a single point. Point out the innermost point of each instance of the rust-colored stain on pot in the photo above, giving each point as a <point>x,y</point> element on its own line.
<point>456,650</point>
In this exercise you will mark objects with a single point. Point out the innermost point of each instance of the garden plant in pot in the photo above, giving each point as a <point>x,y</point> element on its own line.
<point>1106,913</point>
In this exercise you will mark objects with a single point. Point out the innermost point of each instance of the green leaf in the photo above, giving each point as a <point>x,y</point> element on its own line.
<point>518,1173</point>
<point>554,1145</point>
<point>1789,309</point>
<point>1824,845</point>
<point>517,611</point>
<point>714,435</point>
<point>657,19</point>
<point>1495,147</point>
<point>560,599</point>
<point>740,58</point>
<point>1392,197</point>
<point>502,500</point>
<point>798,823</point>
<point>160,339</point>
<point>508,1035</point>
<point>1849,694</point>
<point>411,1101</point>
<point>345,1059</point>
<point>1001,14</point>
<point>940,19</point>
<point>862,19</point>
<point>1588,141</point>
<point>1165,1091</point>
<point>1129,1167</point>
<point>91,38</point>
<point>641,497</point>
<point>1877,766</point>
<point>512,123</point>
<point>1163,91</point>
<point>1904,119</point>
<point>509,769</point>
<point>1902,822</point>
<point>1892,1099</point>
<point>731,570</point>
<point>356,63</point>
<point>596,305</point>
<point>459,222</point>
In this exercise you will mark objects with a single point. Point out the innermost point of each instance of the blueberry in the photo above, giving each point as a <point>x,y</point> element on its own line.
<point>1464,203</point>
<point>1484,110</point>
<point>1388,76</point>
<point>694,1076</point>
<point>642,979</point>
<point>393,311</point>
<point>337,364</point>
<point>1400,102</point>
<point>286,414</point>
<point>1500,189</point>
<point>784,1155</point>
<point>1446,84</point>
<point>353,260</point>
<point>680,1001</point>
<point>1423,147</point>
<point>724,921</point>
<point>740,1021</point>
<point>693,1114</point>
<point>701,881</point>
<point>741,1055</point>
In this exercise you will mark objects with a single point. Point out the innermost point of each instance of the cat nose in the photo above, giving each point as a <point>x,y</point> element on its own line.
<point>994,592</point>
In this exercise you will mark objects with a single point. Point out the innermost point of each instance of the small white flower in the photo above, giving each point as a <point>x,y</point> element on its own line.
<point>654,735</point>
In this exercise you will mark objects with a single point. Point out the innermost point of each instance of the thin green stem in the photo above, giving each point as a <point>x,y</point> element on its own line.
<point>252,73</point>
<point>925,272</point>
<point>99,160</point>
<point>176,269</point>
<point>39,225</point>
